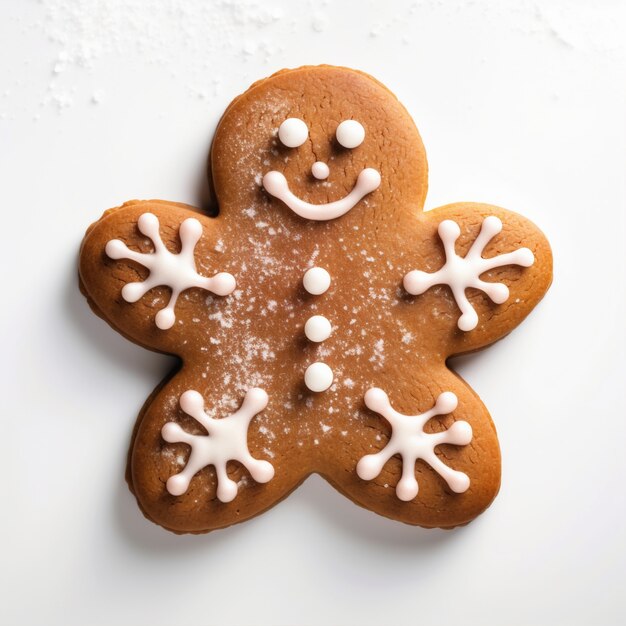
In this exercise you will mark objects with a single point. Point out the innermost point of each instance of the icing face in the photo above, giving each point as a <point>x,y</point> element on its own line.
<point>320,117</point>
<point>350,134</point>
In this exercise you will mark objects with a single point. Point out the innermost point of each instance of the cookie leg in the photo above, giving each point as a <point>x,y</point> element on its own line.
<point>181,464</point>
<point>445,463</point>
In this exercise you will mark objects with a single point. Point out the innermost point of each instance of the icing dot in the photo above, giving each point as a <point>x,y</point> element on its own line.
<point>446,403</point>
<point>407,488</point>
<point>460,434</point>
<point>165,318</point>
<point>376,400</point>
<point>131,292</point>
<point>320,170</point>
<point>177,485</point>
<point>350,134</point>
<point>275,183</point>
<point>318,377</point>
<point>115,249</point>
<point>226,490</point>
<point>368,467</point>
<point>316,280</point>
<point>223,283</point>
<point>293,132</point>
<point>317,328</point>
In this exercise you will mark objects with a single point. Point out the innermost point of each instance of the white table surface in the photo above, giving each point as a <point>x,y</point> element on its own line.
<point>520,104</point>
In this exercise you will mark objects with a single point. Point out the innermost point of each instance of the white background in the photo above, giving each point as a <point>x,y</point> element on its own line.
<point>520,104</point>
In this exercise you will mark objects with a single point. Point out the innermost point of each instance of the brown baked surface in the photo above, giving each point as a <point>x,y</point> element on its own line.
<point>227,344</point>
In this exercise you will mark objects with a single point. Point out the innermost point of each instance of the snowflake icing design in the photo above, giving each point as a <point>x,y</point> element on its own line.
<point>460,273</point>
<point>226,441</point>
<point>409,440</point>
<point>176,271</point>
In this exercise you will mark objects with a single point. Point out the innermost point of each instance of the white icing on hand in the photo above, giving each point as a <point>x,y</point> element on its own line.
<point>276,185</point>
<point>320,170</point>
<point>409,440</point>
<point>227,441</point>
<point>318,377</point>
<point>316,281</point>
<point>460,273</point>
<point>176,271</point>
<point>293,132</point>
<point>350,134</point>
<point>317,328</point>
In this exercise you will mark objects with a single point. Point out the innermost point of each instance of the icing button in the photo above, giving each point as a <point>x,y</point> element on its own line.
<point>316,281</point>
<point>317,328</point>
<point>318,377</point>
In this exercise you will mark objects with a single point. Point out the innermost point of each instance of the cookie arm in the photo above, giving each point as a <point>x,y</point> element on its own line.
<point>505,263</point>
<point>146,266</point>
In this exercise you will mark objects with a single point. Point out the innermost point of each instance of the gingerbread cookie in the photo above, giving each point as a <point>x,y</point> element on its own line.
<point>314,315</point>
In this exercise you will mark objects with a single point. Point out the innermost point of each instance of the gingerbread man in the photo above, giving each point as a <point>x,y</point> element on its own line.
<point>314,316</point>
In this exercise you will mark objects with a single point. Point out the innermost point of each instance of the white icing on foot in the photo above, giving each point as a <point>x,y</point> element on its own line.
<point>318,377</point>
<point>460,273</point>
<point>276,185</point>
<point>176,271</point>
<point>227,441</point>
<point>409,440</point>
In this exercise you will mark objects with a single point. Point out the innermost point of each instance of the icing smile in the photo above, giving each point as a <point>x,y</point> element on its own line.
<point>292,133</point>
<point>276,185</point>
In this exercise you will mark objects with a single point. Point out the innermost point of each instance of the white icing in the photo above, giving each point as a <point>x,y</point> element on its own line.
<point>460,273</point>
<point>176,271</point>
<point>318,377</point>
<point>320,170</point>
<point>276,185</point>
<point>317,328</point>
<point>350,134</point>
<point>409,440</point>
<point>293,132</point>
<point>316,281</point>
<point>227,441</point>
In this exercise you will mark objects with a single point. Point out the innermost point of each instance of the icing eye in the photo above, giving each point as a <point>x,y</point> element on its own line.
<point>350,134</point>
<point>293,132</point>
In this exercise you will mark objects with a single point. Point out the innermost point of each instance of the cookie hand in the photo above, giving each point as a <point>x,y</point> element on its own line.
<point>136,263</point>
<point>495,266</point>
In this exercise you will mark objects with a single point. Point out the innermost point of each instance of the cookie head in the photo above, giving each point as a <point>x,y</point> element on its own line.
<point>318,143</point>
